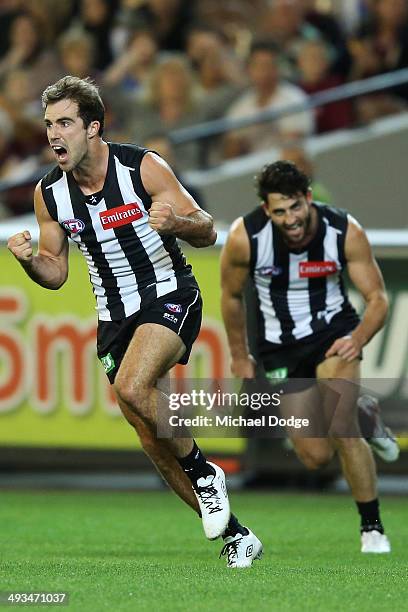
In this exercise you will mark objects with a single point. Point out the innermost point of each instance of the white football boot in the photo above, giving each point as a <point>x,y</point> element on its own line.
<point>374,542</point>
<point>212,496</point>
<point>242,550</point>
<point>382,440</point>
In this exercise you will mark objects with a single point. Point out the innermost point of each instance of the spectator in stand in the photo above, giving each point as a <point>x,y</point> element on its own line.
<point>380,45</point>
<point>333,34</point>
<point>170,104</point>
<point>26,50</point>
<point>266,92</point>
<point>160,143</point>
<point>97,17</point>
<point>133,69</point>
<point>237,20</point>
<point>284,22</point>
<point>316,74</point>
<point>53,16</point>
<point>169,20</point>
<point>220,74</point>
<point>9,10</point>
<point>8,158</point>
<point>76,51</point>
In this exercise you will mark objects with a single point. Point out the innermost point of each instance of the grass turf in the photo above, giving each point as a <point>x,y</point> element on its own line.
<point>136,551</point>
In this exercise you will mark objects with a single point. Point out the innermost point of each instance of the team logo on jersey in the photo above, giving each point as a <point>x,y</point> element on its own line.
<point>270,271</point>
<point>74,226</point>
<point>121,215</point>
<point>315,269</point>
<point>173,307</point>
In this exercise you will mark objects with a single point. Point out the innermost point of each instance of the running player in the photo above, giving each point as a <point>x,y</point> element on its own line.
<point>124,208</point>
<point>295,251</point>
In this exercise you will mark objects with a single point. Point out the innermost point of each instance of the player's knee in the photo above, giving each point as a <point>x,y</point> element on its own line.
<point>132,393</point>
<point>316,458</point>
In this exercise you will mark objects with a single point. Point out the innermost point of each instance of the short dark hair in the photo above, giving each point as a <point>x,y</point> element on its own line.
<point>82,91</point>
<point>281,177</point>
<point>267,45</point>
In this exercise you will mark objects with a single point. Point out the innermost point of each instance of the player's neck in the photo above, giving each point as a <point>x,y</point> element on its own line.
<point>90,174</point>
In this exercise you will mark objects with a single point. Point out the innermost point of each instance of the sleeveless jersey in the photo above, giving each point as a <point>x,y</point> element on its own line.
<point>129,264</point>
<point>298,294</point>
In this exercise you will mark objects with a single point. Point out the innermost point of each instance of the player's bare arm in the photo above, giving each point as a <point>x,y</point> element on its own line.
<point>173,210</point>
<point>49,267</point>
<point>234,273</point>
<point>367,279</point>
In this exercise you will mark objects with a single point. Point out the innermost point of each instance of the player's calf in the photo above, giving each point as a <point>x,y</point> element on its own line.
<point>314,453</point>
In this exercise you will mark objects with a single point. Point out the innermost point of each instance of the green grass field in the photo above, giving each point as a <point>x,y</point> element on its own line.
<point>138,551</point>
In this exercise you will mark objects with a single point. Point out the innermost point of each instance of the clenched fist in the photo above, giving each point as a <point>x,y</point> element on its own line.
<point>20,246</point>
<point>162,217</point>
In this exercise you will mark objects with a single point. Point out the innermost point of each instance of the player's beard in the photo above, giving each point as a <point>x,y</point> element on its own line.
<point>303,228</point>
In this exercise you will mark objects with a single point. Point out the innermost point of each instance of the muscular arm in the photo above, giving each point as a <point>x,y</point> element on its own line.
<point>367,279</point>
<point>49,267</point>
<point>234,273</point>
<point>173,210</point>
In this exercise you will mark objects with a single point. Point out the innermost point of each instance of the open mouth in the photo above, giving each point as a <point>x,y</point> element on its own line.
<point>294,229</point>
<point>60,153</point>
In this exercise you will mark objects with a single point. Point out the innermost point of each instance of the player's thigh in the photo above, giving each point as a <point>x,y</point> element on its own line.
<point>304,404</point>
<point>152,352</point>
<point>336,367</point>
<point>339,382</point>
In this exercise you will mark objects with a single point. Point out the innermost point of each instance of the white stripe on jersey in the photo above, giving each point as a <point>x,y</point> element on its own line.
<point>334,296</point>
<point>298,298</point>
<point>150,239</point>
<point>65,211</point>
<point>118,262</point>
<point>273,328</point>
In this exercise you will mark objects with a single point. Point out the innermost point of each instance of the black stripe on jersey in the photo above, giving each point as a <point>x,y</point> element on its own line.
<point>280,284</point>
<point>341,245</point>
<point>342,257</point>
<point>254,222</point>
<point>132,156</point>
<point>253,258</point>
<point>317,286</point>
<point>109,282</point>
<point>48,180</point>
<point>175,253</point>
<point>51,204</point>
<point>337,218</point>
<point>132,246</point>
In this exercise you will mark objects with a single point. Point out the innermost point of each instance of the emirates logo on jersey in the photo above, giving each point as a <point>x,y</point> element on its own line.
<point>315,269</point>
<point>121,215</point>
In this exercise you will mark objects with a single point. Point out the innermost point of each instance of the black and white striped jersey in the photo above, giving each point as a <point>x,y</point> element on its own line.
<point>130,264</point>
<point>298,294</point>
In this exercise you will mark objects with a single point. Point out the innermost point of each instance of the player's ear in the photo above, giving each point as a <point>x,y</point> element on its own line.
<point>93,129</point>
<point>309,196</point>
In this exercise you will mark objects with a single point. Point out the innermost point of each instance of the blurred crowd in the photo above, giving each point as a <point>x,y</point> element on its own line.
<point>168,64</point>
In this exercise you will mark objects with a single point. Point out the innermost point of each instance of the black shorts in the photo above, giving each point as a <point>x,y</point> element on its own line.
<point>300,360</point>
<point>180,311</point>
